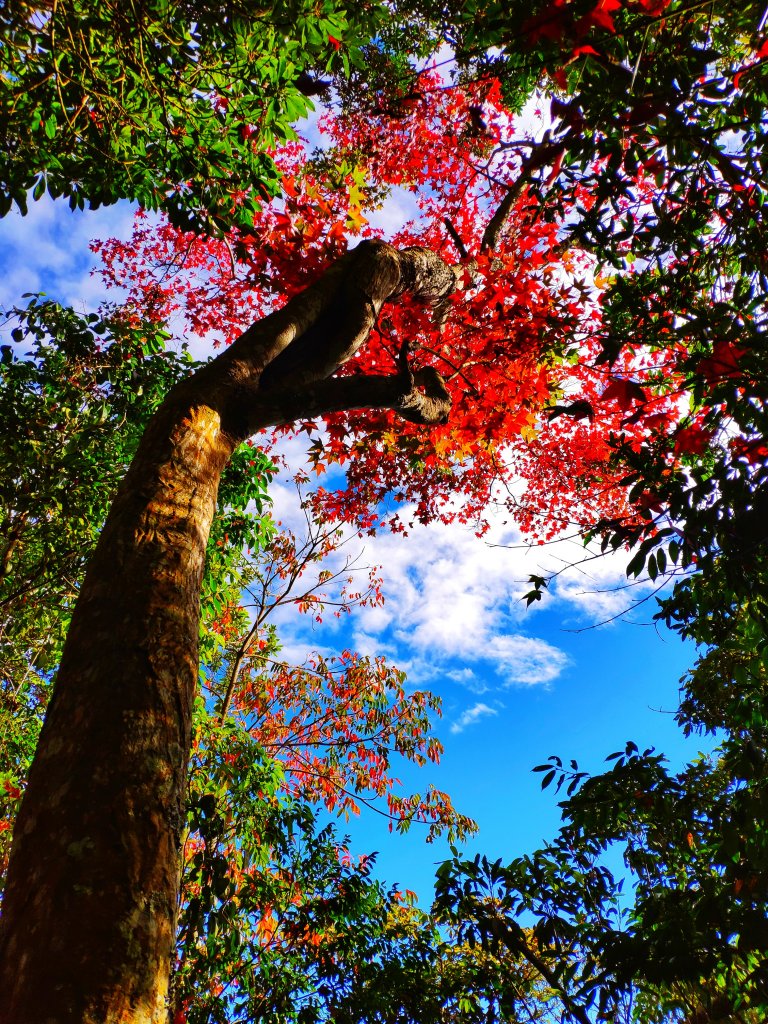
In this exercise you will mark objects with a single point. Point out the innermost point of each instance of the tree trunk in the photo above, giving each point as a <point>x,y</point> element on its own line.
<point>89,910</point>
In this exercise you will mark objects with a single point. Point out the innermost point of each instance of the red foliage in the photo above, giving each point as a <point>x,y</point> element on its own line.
<point>692,440</point>
<point>602,14</point>
<point>653,7</point>
<point>723,364</point>
<point>753,451</point>
<point>336,725</point>
<point>523,303</point>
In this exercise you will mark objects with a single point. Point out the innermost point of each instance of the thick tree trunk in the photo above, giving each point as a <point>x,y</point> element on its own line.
<point>89,910</point>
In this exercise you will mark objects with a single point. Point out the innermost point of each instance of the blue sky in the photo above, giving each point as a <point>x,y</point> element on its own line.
<point>517,685</point>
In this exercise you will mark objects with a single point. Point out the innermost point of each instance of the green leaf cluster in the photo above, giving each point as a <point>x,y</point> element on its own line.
<point>174,104</point>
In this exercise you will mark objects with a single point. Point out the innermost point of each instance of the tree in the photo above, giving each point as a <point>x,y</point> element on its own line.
<point>72,414</point>
<point>692,943</point>
<point>682,936</point>
<point>695,473</point>
<point>623,174</point>
<point>125,832</point>
<point>76,402</point>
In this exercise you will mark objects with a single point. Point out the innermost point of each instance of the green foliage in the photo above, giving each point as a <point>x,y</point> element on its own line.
<point>172,103</point>
<point>684,932</point>
<point>419,969</point>
<point>75,398</point>
<point>661,129</point>
<point>269,893</point>
<point>73,406</point>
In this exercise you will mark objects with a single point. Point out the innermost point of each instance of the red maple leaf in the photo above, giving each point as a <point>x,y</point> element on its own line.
<point>547,24</point>
<point>692,440</point>
<point>753,451</point>
<point>625,392</point>
<point>723,364</point>
<point>654,7</point>
<point>498,328</point>
<point>601,15</point>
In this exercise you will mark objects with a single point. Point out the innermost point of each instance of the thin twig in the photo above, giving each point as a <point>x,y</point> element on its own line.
<point>456,238</point>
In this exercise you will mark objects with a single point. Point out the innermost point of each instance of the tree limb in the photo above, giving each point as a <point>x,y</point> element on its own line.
<point>456,238</point>
<point>539,156</point>
<point>419,397</point>
<point>325,325</point>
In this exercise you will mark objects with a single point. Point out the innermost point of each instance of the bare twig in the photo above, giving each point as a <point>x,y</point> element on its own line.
<point>456,238</point>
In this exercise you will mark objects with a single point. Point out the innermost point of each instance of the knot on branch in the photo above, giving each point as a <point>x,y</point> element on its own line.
<point>428,278</point>
<point>427,399</point>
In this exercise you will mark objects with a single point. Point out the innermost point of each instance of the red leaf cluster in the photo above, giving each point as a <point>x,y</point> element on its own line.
<point>440,159</point>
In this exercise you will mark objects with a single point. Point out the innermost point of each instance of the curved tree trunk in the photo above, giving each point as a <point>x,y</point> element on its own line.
<point>89,910</point>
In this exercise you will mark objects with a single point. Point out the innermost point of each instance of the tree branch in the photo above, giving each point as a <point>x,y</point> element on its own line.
<point>456,238</point>
<point>318,331</point>
<point>419,397</point>
<point>518,945</point>
<point>539,156</point>
<point>325,325</point>
<point>498,221</point>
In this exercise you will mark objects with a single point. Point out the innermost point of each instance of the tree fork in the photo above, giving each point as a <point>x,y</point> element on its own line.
<point>89,909</point>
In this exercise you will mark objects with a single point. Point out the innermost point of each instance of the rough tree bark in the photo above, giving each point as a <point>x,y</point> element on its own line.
<point>90,905</point>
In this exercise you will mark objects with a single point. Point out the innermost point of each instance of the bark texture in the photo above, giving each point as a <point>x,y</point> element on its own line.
<point>89,911</point>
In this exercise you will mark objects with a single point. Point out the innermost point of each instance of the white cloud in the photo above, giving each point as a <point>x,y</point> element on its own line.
<point>48,251</point>
<point>525,661</point>
<point>454,612</point>
<point>471,716</point>
<point>400,207</point>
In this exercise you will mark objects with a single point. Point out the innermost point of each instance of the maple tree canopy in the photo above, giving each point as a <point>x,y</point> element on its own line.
<point>511,338</point>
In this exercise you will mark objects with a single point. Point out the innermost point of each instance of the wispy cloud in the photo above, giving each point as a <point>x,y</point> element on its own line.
<point>48,251</point>
<point>454,613</point>
<point>471,716</point>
